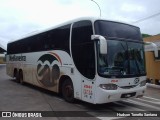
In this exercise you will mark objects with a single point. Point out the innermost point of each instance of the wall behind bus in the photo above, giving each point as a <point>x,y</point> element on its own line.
<point>152,65</point>
<point>2,58</point>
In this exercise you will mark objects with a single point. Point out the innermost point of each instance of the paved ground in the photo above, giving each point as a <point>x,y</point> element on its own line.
<point>16,97</point>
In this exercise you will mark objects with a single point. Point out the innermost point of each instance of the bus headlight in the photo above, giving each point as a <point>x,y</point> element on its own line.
<point>108,86</point>
<point>143,83</point>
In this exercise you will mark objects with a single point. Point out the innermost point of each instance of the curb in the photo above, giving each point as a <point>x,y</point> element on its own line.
<point>153,85</point>
<point>2,64</point>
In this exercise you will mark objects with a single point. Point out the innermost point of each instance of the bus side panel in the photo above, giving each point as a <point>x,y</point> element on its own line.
<point>9,69</point>
<point>67,68</point>
<point>38,70</point>
<point>44,69</point>
<point>12,65</point>
<point>88,90</point>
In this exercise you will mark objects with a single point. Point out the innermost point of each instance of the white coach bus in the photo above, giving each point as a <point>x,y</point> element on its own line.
<point>93,60</point>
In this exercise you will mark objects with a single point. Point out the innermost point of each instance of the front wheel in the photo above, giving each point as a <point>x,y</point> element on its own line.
<point>68,91</point>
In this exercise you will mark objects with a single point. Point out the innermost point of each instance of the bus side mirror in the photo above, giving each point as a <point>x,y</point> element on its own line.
<point>154,48</point>
<point>102,41</point>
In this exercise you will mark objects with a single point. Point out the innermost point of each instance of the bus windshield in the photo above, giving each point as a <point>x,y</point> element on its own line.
<point>125,54</point>
<point>117,30</point>
<point>123,59</point>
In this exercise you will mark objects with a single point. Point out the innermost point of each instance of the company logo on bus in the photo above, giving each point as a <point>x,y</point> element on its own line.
<point>48,71</point>
<point>136,81</point>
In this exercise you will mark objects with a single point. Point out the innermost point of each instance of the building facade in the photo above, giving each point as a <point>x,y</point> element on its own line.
<point>2,58</point>
<point>153,62</point>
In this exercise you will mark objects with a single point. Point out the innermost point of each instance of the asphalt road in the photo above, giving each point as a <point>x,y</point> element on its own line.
<point>16,97</point>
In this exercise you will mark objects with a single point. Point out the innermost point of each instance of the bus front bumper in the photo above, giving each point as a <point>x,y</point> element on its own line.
<point>106,96</point>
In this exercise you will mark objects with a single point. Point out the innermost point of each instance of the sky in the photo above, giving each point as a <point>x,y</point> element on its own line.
<point>21,17</point>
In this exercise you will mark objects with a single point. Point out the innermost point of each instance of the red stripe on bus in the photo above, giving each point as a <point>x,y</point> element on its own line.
<point>59,59</point>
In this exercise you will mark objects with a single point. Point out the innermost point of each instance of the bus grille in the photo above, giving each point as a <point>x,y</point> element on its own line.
<point>128,87</point>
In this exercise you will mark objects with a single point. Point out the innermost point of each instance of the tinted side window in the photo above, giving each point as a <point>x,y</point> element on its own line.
<point>59,38</point>
<point>9,48</point>
<point>14,47</point>
<point>50,40</point>
<point>83,48</point>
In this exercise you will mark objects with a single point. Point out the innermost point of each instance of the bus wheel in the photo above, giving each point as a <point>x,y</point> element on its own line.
<point>17,76</point>
<point>21,77</point>
<point>68,91</point>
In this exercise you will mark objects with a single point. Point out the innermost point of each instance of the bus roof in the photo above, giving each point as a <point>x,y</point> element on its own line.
<point>92,19</point>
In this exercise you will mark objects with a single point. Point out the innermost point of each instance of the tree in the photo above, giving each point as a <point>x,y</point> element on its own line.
<point>145,35</point>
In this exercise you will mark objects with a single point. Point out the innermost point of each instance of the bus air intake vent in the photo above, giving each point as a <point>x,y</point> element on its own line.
<point>128,87</point>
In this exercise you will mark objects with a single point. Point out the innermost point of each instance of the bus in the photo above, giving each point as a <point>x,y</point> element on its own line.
<point>89,59</point>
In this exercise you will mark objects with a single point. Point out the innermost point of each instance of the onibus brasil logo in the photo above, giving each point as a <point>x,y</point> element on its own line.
<point>48,71</point>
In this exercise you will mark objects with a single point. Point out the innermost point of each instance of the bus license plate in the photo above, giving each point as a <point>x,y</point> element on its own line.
<point>128,95</point>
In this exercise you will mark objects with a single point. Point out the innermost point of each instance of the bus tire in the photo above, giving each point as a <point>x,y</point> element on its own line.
<point>17,76</point>
<point>14,74</point>
<point>21,77</point>
<point>68,91</point>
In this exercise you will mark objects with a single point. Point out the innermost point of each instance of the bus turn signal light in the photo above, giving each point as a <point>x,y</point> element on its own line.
<point>143,83</point>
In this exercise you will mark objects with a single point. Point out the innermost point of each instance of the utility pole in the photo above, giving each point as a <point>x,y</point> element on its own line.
<point>98,6</point>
